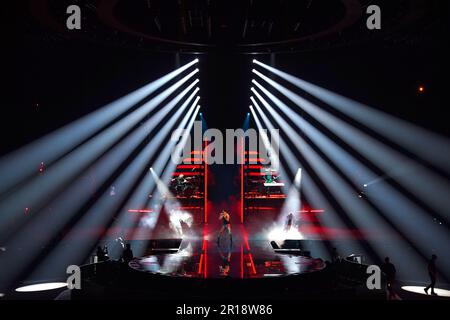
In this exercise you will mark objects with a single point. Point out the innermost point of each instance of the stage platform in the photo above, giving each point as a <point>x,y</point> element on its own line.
<point>241,259</point>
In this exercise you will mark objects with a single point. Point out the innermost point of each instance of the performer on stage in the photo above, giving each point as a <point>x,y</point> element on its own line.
<point>226,227</point>
<point>181,184</point>
<point>289,221</point>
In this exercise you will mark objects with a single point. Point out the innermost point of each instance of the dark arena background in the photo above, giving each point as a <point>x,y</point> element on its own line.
<point>205,151</point>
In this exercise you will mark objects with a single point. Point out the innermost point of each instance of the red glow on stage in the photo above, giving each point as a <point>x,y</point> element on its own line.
<point>189,166</point>
<point>256,166</point>
<point>187,173</point>
<point>254,160</point>
<point>312,211</point>
<point>188,208</point>
<point>251,152</point>
<point>252,263</point>
<point>250,256</point>
<point>192,160</point>
<point>256,174</point>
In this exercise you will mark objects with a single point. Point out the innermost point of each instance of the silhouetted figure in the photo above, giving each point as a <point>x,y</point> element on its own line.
<point>101,255</point>
<point>185,228</point>
<point>289,221</point>
<point>225,218</point>
<point>433,274</point>
<point>127,254</point>
<point>389,269</point>
<point>335,257</point>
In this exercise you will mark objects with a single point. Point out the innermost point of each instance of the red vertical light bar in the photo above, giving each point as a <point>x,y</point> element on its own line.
<point>250,256</point>
<point>242,179</point>
<point>206,185</point>
<point>242,261</point>
<point>200,265</point>
<point>206,260</point>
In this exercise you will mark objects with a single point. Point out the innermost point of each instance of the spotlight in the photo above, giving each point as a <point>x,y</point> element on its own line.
<point>151,169</point>
<point>420,290</point>
<point>196,60</point>
<point>254,60</point>
<point>365,185</point>
<point>298,178</point>
<point>248,114</point>
<point>42,287</point>
<point>201,114</point>
<point>421,89</point>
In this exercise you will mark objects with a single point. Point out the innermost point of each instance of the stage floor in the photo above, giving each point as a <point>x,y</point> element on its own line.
<point>204,257</point>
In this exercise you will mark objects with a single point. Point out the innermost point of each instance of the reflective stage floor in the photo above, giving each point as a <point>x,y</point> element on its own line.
<point>241,258</point>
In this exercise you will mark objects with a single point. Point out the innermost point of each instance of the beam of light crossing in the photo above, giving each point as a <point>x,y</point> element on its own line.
<point>172,207</point>
<point>140,195</point>
<point>429,187</point>
<point>52,146</point>
<point>429,146</point>
<point>292,202</point>
<point>315,196</point>
<point>274,158</point>
<point>165,176</point>
<point>78,193</point>
<point>363,215</point>
<point>41,189</point>
<point>418,225</point>
<point>140,198</point>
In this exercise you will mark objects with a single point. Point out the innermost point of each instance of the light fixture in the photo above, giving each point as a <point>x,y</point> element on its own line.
<point>42,287</point>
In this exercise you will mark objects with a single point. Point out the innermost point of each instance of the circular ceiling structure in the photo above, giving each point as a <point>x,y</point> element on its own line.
<point>243,26</point>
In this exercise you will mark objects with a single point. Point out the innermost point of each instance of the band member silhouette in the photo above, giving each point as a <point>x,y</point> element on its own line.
<point>289,221</point>
<point>224,217</point>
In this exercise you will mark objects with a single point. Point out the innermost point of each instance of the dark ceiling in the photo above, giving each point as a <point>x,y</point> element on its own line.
<point>55,76</point>
<point>245,26</point>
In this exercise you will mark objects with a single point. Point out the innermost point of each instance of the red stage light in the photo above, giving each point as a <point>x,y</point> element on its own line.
<point>186,173</point>
<point>140,210</point>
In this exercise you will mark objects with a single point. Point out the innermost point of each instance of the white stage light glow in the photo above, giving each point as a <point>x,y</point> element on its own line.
<point>420,290</point>
<point>279,234</point>
<point>42,287</point>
